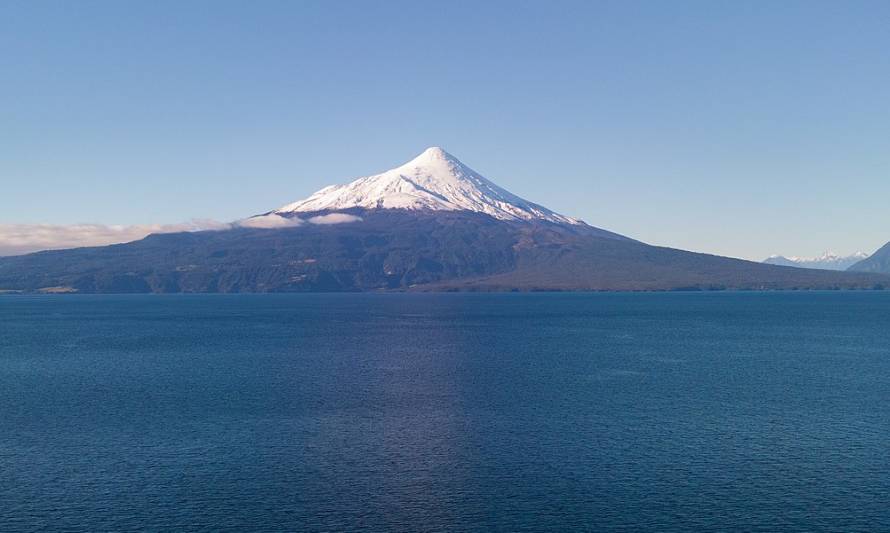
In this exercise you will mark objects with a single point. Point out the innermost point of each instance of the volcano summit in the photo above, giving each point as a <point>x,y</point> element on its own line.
<point>435,180</point>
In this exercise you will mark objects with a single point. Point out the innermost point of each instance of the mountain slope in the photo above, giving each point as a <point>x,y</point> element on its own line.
<point>402,250</point>
<point>827,261</point>
<point>878,262</point>
<point>608,265</point>
<point>387,249</point>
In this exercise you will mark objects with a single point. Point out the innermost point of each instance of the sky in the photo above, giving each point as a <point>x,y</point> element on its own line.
<point>738,128</point>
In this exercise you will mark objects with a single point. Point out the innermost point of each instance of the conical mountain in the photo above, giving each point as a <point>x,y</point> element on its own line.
<point>430,224</point>
<point>434,180</point>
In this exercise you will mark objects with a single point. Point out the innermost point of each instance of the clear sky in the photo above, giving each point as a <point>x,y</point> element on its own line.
<point>738,128</point>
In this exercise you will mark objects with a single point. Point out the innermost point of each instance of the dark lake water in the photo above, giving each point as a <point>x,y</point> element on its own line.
<point>661,412</point>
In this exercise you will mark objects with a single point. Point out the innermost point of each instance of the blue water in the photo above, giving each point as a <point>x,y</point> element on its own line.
<point>661,412</point>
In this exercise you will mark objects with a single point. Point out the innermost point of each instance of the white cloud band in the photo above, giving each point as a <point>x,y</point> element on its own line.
<point>17,239</point>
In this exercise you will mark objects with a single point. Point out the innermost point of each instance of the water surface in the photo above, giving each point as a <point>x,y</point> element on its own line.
<point>662,412</point>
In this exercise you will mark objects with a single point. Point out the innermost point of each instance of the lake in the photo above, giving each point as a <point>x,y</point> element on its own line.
<point>443,412</point>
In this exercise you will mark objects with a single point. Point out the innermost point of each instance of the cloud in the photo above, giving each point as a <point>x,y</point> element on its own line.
<point>18,239</point>
<point>275,221</point>
<point>270,221</point>
<point>334,218</point>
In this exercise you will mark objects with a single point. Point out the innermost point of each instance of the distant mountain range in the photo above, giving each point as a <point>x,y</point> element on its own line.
<point>826,261</point>
<point>432,224</point>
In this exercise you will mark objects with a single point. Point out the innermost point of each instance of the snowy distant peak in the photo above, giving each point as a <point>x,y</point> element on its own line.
<point>434,180</point>
<point>826,261</point>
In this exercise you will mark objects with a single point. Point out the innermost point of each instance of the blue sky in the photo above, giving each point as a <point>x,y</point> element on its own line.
<point>738,128</point>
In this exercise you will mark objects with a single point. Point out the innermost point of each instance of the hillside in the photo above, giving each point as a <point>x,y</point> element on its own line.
<point>879,262</point>
<point>391,249</point>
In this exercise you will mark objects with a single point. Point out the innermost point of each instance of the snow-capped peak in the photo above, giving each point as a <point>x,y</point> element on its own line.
<point>434,180</point>
<point>826,261</point>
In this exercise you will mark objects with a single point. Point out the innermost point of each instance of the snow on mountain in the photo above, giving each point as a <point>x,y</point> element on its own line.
<point>435,180</point>
<point>827,261</point>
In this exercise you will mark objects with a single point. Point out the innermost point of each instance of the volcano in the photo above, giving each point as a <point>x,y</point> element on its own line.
<point>431,224</point>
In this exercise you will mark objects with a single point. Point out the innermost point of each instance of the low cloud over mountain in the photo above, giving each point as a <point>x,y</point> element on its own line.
<point>17,239</point>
